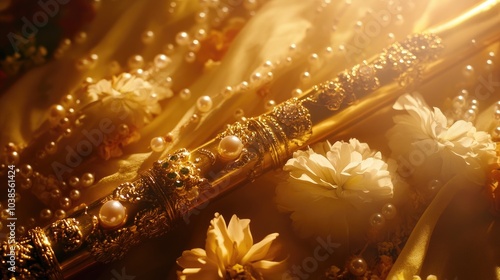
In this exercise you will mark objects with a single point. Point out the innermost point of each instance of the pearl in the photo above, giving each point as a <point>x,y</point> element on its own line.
<point>56,113</point>
<point>201,17</point>
<point>329,52</point>
<point>161,61</point>
<point>227,92</point>
<point>458,102</point>
<point>377,220</point>
<point>204,103</point>
<point>389,211</point>
<point>194,118</point>
<point>468,71</point>
<point>497,114</point>
<point>230,147</point>
<point>148,37</point>
<point>358,25</point>
<point>55,193</point>
<point>168,82</point>
<point>51,148</point>
<point>5,214</point>
<point>158,144</point>
<point>87,179</point>
<point>470,115</point>
<point>74,181</point>
<point>60,214</point>
<point>489,65</point>
<point>81,37</point>
<point>65,202</point>
<point>67,132</point>
<point>135,62</point>
<point>169,137</point>
<point>314,59</point>
<point>194,45</point>
<point>391,38</point>
<point>185,94</point>
<point>256,77</point>
<point>182,38</point>
<point>305,77</point>
<point>269,76</point>
<point>243,86</point>
<point>496,133</point>
<point>464,93</point>
<point>112,214</point>
<point>46,214</point>
<point>67,100</point>
<point>296,92</point>
<point>92,58</point>
<point>169,49</point>
<point>200,34</point>
<point>123,129</point>
<point>270,104</point>
<point>358,266</point>
<point>12,158</point>
<point>399,19</point>
<point>82,64</point>
<point>190,57</point>
<point>74,194</point>
<point>268,65</point>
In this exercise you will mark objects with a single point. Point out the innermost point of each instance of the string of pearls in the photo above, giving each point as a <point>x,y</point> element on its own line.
<point>465,105</point>
<point>258,81</point>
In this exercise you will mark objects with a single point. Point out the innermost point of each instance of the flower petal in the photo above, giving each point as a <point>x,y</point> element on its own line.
<point>259,250</point>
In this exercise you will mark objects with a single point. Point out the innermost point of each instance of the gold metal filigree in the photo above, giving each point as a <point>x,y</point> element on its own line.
<point>401,61</point>
<point>67,233</point>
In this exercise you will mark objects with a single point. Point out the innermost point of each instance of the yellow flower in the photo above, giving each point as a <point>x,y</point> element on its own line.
<point>129,96</point>
<point>326,179</point>
<point>425,146</point>
<point>230,254</point>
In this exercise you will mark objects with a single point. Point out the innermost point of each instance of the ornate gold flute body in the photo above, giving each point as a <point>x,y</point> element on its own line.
<point>186,180</point>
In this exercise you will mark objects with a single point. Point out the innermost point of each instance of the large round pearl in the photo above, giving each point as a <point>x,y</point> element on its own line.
<point>204,104</point>
<point>358,266</point>
<point>158,144</point>
<point>389,211</point>
<point>112,214</point>
<point>230,147</point>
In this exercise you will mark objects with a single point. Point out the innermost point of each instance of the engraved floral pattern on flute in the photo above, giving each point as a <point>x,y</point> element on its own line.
<point>110,246</point>
<point>67,233</point>
<point>401,61</point>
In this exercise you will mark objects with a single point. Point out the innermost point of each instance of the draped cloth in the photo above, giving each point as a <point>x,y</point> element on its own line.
<point>455,236</point>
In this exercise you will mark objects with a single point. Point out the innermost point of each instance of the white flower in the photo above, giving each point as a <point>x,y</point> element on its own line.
<point>326,180</point>
<point>426,147</point>
<point>128,96</point>
<point>230,253</point>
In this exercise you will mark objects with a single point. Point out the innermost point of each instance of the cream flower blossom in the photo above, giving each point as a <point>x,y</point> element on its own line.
<point>326,180</point>
<point>427,148</point>
<point>231,254</point>
<point>129,95</point>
